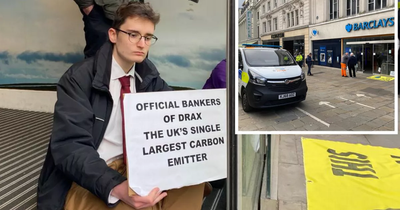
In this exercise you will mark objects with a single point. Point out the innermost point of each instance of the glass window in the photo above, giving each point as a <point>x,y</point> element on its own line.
<point>275,3</point>
<point>288,20</point>
<point>378,4</point>
<point>269,25</point>
<point>275,24</point>
<point>371,5</point>
<point>263,9</point>
<point>268,57</point>
<point>297,17</point>
<point>264,27</point>
<point>352,7</point>
<point>292,15</point>
<point>334,9</point>
<point>269,6</point>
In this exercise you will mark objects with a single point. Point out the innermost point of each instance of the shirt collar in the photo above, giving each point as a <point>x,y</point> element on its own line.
<point>118,72</point>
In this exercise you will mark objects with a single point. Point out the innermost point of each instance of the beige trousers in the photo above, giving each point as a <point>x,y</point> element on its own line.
<point>186,198</point>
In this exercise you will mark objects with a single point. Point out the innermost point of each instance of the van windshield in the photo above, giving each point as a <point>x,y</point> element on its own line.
<point>264,57</point>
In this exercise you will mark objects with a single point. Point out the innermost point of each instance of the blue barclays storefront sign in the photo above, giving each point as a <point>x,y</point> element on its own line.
<point>370,25</point>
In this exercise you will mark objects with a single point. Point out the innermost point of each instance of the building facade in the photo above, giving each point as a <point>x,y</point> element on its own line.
<point>363,27</point>
<point>248,29</point>
<point>285,23</point>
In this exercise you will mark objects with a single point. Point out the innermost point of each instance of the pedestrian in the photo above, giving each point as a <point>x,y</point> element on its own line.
<point>217,78</point>
<point>299,60</point>
<point>351,64</point>
<point>85,165</point>
<point>309,61</point>
<point>98,16</point>
<point>345,59</point>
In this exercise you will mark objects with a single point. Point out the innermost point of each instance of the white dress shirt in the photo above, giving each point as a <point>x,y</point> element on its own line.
<point>111,147</point>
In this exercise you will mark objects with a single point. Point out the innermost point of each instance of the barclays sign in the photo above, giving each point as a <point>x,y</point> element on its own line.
<point>370,25</point>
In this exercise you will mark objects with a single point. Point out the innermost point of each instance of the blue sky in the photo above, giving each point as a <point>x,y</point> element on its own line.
<point>44,38</point>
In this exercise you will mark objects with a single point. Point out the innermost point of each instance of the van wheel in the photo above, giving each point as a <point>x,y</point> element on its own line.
<point>245,102</point>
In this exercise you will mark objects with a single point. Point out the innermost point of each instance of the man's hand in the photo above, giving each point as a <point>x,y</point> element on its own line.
<point>136,201</point>
<point>88,9</point>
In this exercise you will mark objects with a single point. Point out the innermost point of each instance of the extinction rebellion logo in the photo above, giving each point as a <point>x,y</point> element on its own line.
<point>370,25</point>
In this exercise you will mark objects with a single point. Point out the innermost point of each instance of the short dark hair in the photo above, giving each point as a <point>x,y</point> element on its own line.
<point>135,9</point>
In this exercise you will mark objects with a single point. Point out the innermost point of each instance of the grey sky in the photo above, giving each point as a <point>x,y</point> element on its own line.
<point>241,2</point>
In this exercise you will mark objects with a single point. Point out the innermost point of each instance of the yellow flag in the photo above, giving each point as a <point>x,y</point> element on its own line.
<point>343,176</point>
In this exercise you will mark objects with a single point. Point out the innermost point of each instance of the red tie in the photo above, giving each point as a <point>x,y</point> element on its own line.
<point>125,88</point>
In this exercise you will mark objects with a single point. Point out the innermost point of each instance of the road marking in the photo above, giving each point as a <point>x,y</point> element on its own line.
<point>314,117</point>
<point>365,105</point>
<point>357,103</point>
<point>362,95</point>
<point>326,103</point>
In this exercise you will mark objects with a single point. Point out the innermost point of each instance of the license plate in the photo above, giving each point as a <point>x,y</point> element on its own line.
<point>287,95</point>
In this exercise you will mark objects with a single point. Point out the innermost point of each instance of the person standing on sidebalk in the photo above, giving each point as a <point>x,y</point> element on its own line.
<point>85,163</point>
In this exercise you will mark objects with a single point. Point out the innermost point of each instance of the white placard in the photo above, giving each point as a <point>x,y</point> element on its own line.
<point>175,138</point>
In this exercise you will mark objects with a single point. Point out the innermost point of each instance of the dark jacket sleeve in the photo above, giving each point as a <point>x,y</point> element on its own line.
<point>161,85</point>
<point>84,3</point>
<point>72,145</point>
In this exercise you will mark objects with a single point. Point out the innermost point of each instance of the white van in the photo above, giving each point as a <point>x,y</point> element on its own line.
<point>268,77</point>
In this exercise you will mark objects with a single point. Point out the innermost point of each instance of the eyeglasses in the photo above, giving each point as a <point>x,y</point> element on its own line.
<point>135,37</point>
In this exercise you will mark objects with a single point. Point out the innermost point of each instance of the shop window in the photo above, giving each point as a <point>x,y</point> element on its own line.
<point>275,24</point>
<point>334,9</point>
<point>353,7</point>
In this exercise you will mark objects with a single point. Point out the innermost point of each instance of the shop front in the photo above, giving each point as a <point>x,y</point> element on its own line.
<point>294,45</point>
<point>327,52</point>
<point>370,37</point>
<point>271,42</point>
<point>374,55</point>
<point>294,41</point>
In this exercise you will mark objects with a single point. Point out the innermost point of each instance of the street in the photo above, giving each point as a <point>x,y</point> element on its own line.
<point>333,103</point>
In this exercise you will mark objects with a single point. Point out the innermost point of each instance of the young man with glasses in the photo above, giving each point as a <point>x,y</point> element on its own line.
<point>85,163</point>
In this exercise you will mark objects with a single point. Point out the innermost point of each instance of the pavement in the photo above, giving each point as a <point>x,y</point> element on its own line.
<point>333,103</point>
<point>291,179</point>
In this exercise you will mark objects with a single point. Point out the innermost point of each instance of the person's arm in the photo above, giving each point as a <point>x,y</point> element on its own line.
<point>218,75</point>
<point>72,145</point>
<point>84,3</point>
